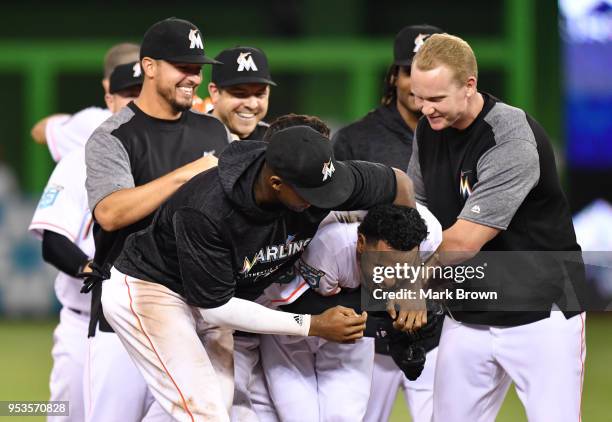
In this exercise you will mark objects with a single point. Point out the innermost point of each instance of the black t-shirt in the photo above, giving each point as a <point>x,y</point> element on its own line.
<point>499,172</point>
<point>131,149</point>
<point>211,241</point>
<point>381,136</point>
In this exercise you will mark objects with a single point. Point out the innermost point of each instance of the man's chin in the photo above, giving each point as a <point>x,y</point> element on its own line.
<point>182,104</point>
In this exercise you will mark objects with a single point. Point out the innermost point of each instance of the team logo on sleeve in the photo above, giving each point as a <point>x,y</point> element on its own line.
<point>465,190</point>
<point>49,196</point>
<point>328,169</point>
<point>311,275</point>
<point>245,62</point>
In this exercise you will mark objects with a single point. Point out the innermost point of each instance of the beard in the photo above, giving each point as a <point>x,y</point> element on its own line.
<point>177,105</point>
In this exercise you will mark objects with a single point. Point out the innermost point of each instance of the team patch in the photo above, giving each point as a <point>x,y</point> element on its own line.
<point>49,196</point>
<point>310,274</point>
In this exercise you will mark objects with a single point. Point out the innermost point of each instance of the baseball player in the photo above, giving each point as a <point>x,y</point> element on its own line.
<point>240,89</point>
<point>385,136</point>
<point>135,160</point>
<point>63,221</point>
<point>239,93</point>
<point>331,381</point>
<point>487,171</point>
<point>63,133</point>
<point>232,231</point>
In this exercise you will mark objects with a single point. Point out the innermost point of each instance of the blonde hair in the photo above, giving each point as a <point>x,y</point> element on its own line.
<point>450,51</point>
<point>120,54</point>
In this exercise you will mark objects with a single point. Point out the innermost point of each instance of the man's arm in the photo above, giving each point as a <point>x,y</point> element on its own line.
<point>377,184</point>
<point>404,194</point>
<point>205,262</point>
<point>39,130</point>
<point>115,201</point>
<point>414,172</point>
<point>63,254</point>
<point>463,240</point>
<point>127,206</point>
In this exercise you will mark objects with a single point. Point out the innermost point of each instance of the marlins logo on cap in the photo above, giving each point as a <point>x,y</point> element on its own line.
<point>409,40</point>
<point>176,41</point>
<point>195,39</point>
<point>245,62</point>
<point>328,169</point>
<point>252,67</point>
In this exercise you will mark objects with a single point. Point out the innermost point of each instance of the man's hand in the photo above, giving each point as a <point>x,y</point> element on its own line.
<point>338,324</point>
<point>411,316</point>
<point>198,166</point>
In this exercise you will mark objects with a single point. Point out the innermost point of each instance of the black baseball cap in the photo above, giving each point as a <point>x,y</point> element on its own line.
<point>125,76</point>
<point>409,40</point>
<point>174,40</point>
<point>304,159</point>
<point>241,65</point>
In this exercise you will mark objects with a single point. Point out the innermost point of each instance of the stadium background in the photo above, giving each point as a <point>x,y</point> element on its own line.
<point>329,58</point>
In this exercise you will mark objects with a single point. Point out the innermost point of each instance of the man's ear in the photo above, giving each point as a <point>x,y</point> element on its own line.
<point>471,86</point>
<point>109,100</point>
<point>148,66</point>
<point>105,85</point>
<point>275,182</point>
<point>361,243</point>
<point>213,92</point>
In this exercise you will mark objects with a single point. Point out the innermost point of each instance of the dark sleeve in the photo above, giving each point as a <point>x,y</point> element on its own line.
<point>342,150</point>
<point>313,303</point>
<point>414,171</point>
<point>374,184</point>
<point>60,252</point>
<point>205,260</point>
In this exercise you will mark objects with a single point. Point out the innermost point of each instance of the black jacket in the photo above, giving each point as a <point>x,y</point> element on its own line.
<point>381,136</point>
<point>211,241</point>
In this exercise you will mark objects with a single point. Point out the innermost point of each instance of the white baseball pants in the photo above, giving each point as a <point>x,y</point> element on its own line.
<point>476,364</point>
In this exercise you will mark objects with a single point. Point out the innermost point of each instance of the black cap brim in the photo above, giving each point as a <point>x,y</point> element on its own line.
<point>193,60</point>
<point>334,193</point>
<point>245,80</point>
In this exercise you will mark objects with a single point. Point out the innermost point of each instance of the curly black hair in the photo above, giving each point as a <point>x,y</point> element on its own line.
<point>401,227</point>
<point>289,120</point>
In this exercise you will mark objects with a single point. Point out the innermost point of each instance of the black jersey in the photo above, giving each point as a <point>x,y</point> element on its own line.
<point>499,172</point>
<point>131,149</point>
<point>211,241</point>
<point>382,136</point>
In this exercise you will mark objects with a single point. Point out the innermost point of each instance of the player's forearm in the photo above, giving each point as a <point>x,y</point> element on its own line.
<point>39,130</point>
<point>244,315</point>
<point>127,206</point>
<point>63,254</point>
<point>404,190</point>
<point>463,240</point>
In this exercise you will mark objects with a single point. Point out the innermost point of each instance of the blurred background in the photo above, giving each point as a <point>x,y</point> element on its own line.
<point>552,58</point>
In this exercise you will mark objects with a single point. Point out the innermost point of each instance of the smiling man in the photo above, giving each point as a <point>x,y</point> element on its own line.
<point>487,171</point>
<point>240,90</point>
<point>136,160</point>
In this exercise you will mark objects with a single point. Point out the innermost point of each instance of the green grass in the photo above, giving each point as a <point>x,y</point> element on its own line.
<point>25,364</point>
